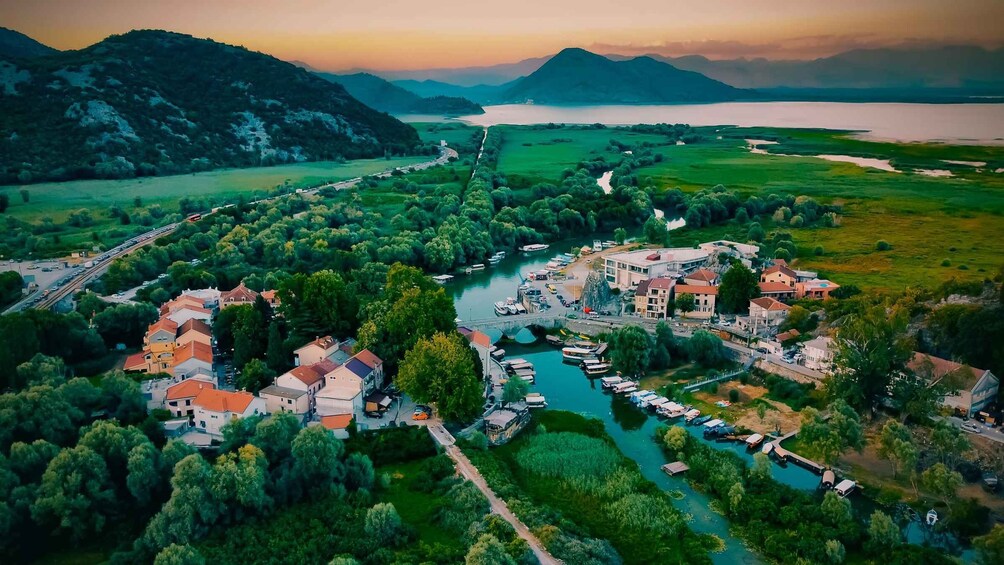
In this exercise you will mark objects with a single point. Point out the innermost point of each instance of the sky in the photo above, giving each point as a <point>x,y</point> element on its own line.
<point>419,34</point>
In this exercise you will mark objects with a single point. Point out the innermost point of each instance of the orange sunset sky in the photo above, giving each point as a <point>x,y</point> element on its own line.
<point>403,34</point>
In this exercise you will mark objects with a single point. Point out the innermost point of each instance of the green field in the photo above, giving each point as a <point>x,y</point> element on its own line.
<point>926,219</point>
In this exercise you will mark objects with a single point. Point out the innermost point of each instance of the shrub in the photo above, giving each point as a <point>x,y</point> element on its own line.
<point>946,262</point>
<point>734,395</point>
<point>567,455</point>
<point>882,245</point>
<point>818,250</point>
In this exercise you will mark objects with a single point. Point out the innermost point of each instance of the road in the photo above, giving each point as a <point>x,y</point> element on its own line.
<point>992,434</point>
<point>56,290</point>
<point>498,506</point>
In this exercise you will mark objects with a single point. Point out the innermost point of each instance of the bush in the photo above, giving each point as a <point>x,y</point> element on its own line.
<point>734,395</point>
<point>394,445</point>
<point>818,250</point>
<point>882,245</point>
<point>568,455</point>
<point>946,262</point>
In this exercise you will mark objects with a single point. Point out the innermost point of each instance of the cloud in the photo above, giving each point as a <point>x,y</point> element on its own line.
<point>805,47</point>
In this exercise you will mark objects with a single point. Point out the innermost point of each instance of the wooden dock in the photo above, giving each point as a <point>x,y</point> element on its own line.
<point>675,468</point>
<point>795,458</point>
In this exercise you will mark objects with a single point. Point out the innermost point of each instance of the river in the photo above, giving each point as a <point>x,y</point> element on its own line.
<point>981,124</point>
<point>567,388</point>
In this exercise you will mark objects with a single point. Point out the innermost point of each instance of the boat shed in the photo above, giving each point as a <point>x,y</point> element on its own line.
<point>675,468</point>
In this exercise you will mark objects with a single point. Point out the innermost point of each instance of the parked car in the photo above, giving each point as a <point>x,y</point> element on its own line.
<point>970,427</point>
<point>421,413</point>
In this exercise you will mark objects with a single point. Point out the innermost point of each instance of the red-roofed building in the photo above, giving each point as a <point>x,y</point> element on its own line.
<point>653,297</point>
<point>974,388</point>
<point>193,358</point>
<point>180,397</point>
<point>777,290</point>
<point>237,297</point>
<point>194,330</point>
<point>779,274</point>
<point>345,387</point>
<point>136,363</point>
<point>215,408</point>
<point>817,289</point>
<point>767,312</point>
<point>704,299</point>
<point>271,297</point>
<point>338,424</point>
<point>315,351</point>
<point>702,277</point>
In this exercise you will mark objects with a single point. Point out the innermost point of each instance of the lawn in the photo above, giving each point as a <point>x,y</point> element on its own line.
<point>927,220</point>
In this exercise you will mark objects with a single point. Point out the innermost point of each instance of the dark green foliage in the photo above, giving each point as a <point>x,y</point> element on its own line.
<point>738,286</point>
<point>796,395</point>
<point>394,445</point>
<point>10,288</point>
<point>385,96</point>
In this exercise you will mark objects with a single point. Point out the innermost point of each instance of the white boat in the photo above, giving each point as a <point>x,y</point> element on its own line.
<point>845,487</point>
<point>533,247</point>
<point>535,401</point>
<point>495,260</point>
<point>610,382</point>
<point>590,362</point>
<point>713,423</point>
<point>672,410</point>
<point>609,243</point>
<point>767,448</point>
<point>524,372</point>
<point>498,354</point>
<point>597,245</point>
<point>501,309</point>
<point>622,386</point>
<point>520,309</point>
<point>655,403</point>
<point>640,394</point>
<point>629,389</point>
<point>932,517</point>
<point>442,279</point>
<point>578,354</point>
<point>478,267</point>
<point>753,441</point>
<point>690,415</point>
<point>516,361</point>
<point>499,254</point>
<point>553,266</point>
<point>597,369</point>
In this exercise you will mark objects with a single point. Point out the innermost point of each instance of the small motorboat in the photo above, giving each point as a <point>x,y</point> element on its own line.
<point>932,517</point>
<point>767,448</point>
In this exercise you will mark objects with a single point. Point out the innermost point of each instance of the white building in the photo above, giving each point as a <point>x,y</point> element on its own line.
<point>818,354</point>
<point>215,408</point>
<point>626,270</point>
<point>742,251</point>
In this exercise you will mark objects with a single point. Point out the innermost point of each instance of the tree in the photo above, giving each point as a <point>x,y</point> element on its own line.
<point>383,524</point>
<point>872,347</point>
<point>359,473</point>
<point>317,456</point>
<point>441,370</point>
<point>685,303</point>
<point>321,303</point>
<point>917,393</point>
<point>941,481</point>
<point>4,202</point>
<point>25,195</point>
<point>238,482</point>
<point>656,232</point>
<point>990,548</point>
<point>948,442</point>
<point>488,550</point>
<point>255,376</point>
<point>706,349</point>
<point>835,510</point>
<point>834,435</point>
<point>620,236</point>
<point>762,468</point>
<point>76,494</point>
<point>175,554</point>
<point>190,511</point>
<point>250,334</point>
<point>145,476</point>
<point>632,346</point>
<point>896,445</point>
<point>883,533</point>
<point>676,438</point>
<point>834,551</point>
<point>739,285</point>
<point>275,354</point>
<point>515,389</point>
<point>274,435</point>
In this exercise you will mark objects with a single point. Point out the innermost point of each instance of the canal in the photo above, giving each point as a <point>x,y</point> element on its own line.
<point>566,387</point>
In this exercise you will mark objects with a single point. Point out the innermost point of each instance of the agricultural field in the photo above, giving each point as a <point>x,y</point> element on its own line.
<point>938,227</point>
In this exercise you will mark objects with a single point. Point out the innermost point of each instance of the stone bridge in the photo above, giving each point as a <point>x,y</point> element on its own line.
<point>511,325</point>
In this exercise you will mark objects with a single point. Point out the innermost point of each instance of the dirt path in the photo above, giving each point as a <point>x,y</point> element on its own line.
<point>498,506</point>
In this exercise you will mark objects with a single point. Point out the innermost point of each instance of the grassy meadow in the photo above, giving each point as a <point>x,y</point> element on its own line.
<point>929,221</point>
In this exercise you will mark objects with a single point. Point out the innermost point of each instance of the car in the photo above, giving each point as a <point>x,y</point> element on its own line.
<point>420,414</point>
<point>970,427</point>
<point>119,294</point>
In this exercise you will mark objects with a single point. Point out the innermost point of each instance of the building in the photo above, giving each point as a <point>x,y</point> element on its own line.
<point>627,270</point>
<point>282,399</point>
<point>271,298</point>
<point>779,273</point>
<point>817,289</point>
<point>766,312</point>
<point>338,424</point>
<point>315,351</point>
<point>704,299</point>
<point>308,379</point>
<point>777,291</point>
<point>194,330</point>
<point>215,408</point>
<point>210,297</point>
<point>702,277</point>
<point>158,346</point>
<point>503,424</point>
<point>744,252</point>
<point>818,354</point>
<point>653,297</point>
<point>193,358</point>
<point>237,297</point>
<point>976,388</point>
<point>180,397</point>
<point>346,387</point>
<point>804,276</point>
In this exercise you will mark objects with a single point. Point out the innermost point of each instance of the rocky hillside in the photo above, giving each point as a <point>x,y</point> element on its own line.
<point>14,44</point>
<point>154,102</point>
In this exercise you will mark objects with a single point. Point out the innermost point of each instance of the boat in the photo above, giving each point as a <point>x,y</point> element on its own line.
<point>510,305</point>
<point>494,260</point>
<point>499,254</point>
<point>501,309</point>
<point>478,267</point>
<point>610,382</point>
<point>597,245</point>
<point>554,340</point>
<point>828,480</point>
<point>442,279</point>
<point>640,394</point>
<point>553,266</point>
<point>713,423</point>
<point>931,518</point>
<point>692,414</point>
<point>535,400</point>
<point>754,440</point>
<point>845,487</point>
<point>767,448</point>
<point>655,404</point>
<point>609,243</point>
<point>534,247</point>
<point>524,373</point>
<point>672,410</point>
<point>498,354</point>
<point>577,354</point>
<point>597,369</point>
<point>520,309</point>
<point>516,361</point>
<point>630,389</point>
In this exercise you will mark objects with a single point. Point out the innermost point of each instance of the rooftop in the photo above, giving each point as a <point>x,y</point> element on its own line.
<point>308,374</point>
<point>705,275</point>
<point>188,388</point>
<point>325,343</point>
<point>336,421</point>
<point>768,303</point>
<point>939,367</point>
<point>821,342</point>
<point>774,287</point>
<point>369,358</point>
<point>197,326</point>
<point>779,269</point>
<point>696,289</point>
<point>224,401</point>
<point>135,361</point>
<point>193,350</point>
<point>239,294</point>
<point>648,257</point>
<point>163,324</point>
<point>281,391</point>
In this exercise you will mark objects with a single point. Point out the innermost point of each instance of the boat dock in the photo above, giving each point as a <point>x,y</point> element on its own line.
<point>675,468</point>
<point>795,458</point>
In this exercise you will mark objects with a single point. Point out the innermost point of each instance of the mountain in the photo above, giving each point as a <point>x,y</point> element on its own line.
<point>155,102</point>
<point>491,75</point>
<point>482,93</point>
<point>377,93</point>
<point>576,76</point>
<point>948,67</point>
<point>16,45</point>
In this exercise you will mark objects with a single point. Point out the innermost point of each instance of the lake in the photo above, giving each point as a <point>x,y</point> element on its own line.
<point>981,124</point>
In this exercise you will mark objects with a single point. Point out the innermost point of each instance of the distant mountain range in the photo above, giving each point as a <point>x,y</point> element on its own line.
<point>491,75</point>
<point>16,45</point>
<point>155,102</point>
<point>382,95</point>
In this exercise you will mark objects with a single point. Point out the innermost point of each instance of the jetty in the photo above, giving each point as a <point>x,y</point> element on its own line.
<point>795,458</point>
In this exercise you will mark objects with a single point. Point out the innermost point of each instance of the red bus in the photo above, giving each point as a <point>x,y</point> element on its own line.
<point>194,218</point>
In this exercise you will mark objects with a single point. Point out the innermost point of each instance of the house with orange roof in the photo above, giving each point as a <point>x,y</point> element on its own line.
<point>185,312</point>
<point>315,351</point>
<point>237,297</point>
<point>766,312</point>
<point>308,379</point>
<point>216,408</point>
<point>194,330</point>
<point>180,397</point>
<point>158,345</point>
<point>338,424</point>
<point>272,298</point>
<point>817,289</point>
<point>193,358</point>
<point>208,297</point>
<point>345,388</point>
<point>777,290</point>
<point>702,277</point>
<point>180,302</point>
<point>704,299</point>
<point>653,297</point>
<point>970,389</point>
<point>779,273</point>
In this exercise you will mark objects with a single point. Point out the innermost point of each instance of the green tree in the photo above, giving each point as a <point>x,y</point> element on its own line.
<point>676,438</point>
<point>620,236</point>
<point>250,334</point>
<point>321,303</point>
<point>76,495</point>
<point>896,445</point>
<point>255,376</point>
<point>318,455</point>
<point>359,472</point>
<point>515,390</point>
<point>274,435</point>
<point>706,349</point>
<point>441,370</point>
<point>871,348</point>
<point>175,554</point>
<point>144,474</point>
<point>834,435</point>
<point>836,510</point>
<point>275,354</point>
<point>631,346</point>
<point>834,551</point>
<point>941,481</point>
<point>686,303</point>
<point>917,393</point>
<point>29,460</point>
<point>738,286</point>
<point>883,533</point>
<point>990,548</point>
<point>656,232</point>
<point>190,511</point>
<point>238,482</point>
<point>948,442</point>
<point>383,524</point>
<point>762,468</point>
<point>10,287</point>
<point>488,550</point>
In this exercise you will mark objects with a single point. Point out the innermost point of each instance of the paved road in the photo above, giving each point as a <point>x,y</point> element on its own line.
<point>992,434</point>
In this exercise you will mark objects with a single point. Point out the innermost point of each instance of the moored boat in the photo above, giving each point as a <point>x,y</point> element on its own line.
<point>442,279</point>
<point>610,382</point>
<point>754,440</point>
<point>533,247</point>
<point>536,400</point>
<point>691,415</point>
<point>597,369</point>
<point>478,267</point>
